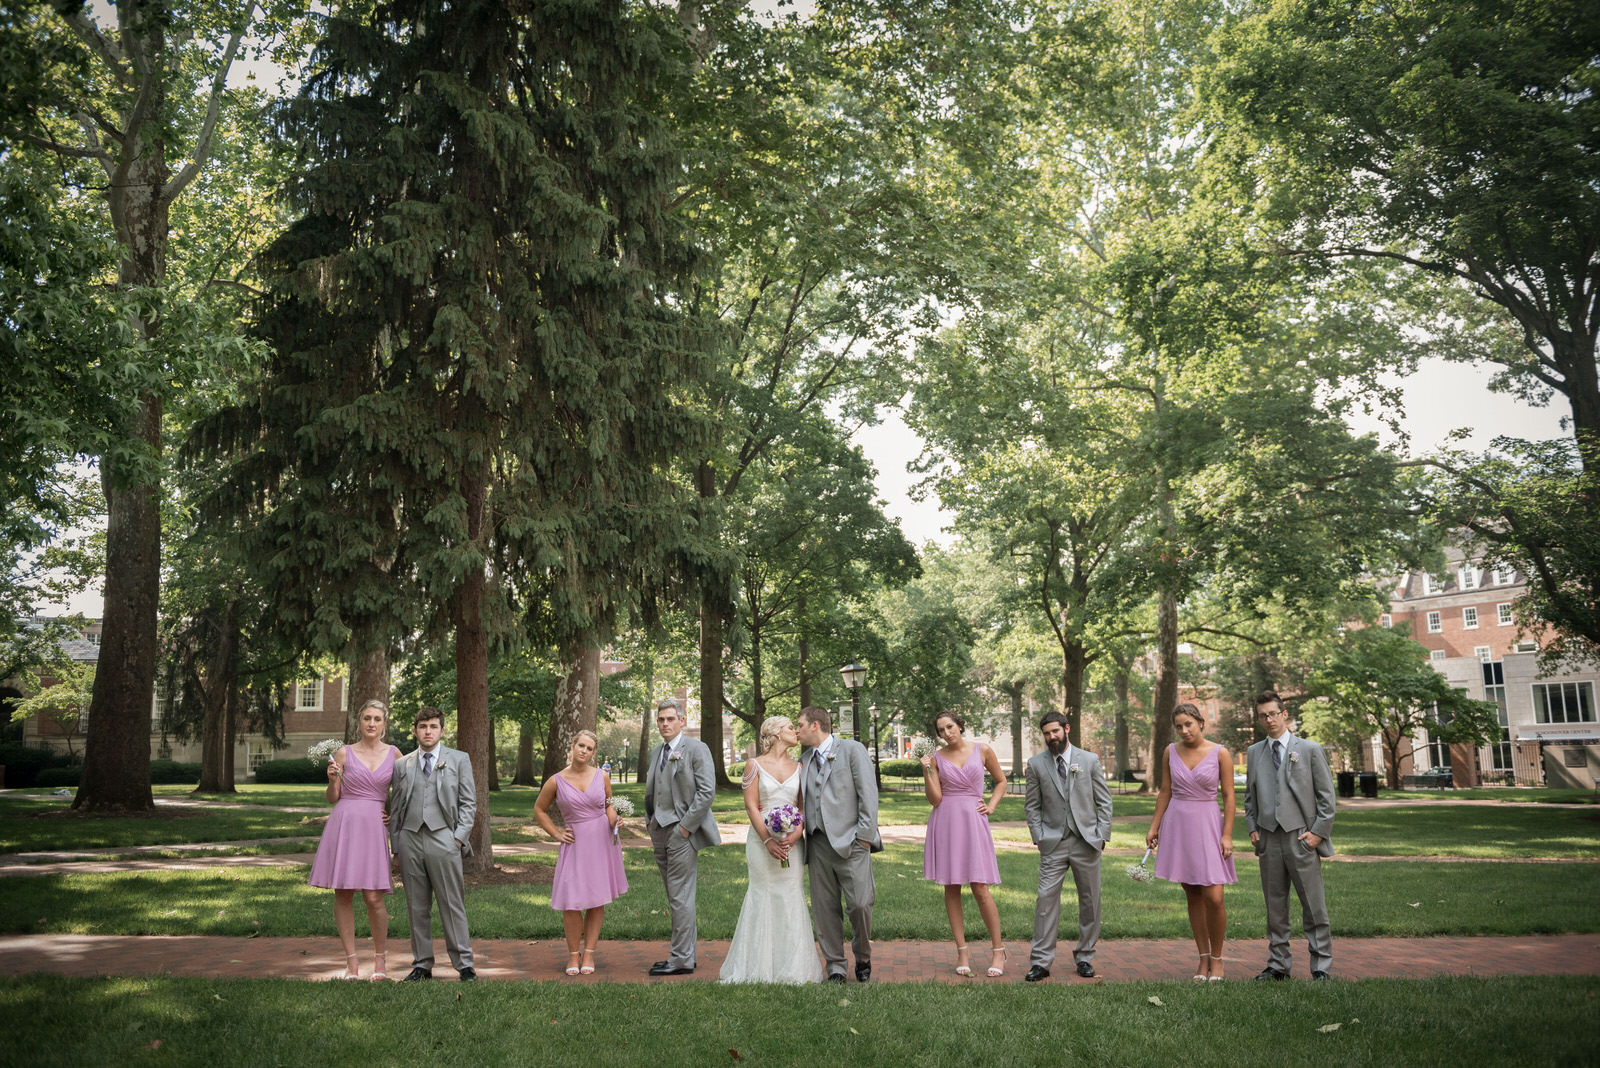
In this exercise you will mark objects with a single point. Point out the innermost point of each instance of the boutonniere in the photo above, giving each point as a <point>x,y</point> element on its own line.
<point>1072,768</point>
<point>1294,758</point>
<point>676,756</point>
<point>832,757</point>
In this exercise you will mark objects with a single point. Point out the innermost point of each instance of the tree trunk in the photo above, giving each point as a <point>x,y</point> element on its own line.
<point>230,727</point>
<point>1018,764</point>
<point>368,681</point>
<point>494,760</point>
<point>221,673</point>
<point>472,674</point>
<point>647,722</point>
<point>577,703</point>
<point>711,687</point>
<point>1119,683</point>
<point>1074,660</point>
<point>524,775</point>
<point>803,648</point>
<point>1165,698</point>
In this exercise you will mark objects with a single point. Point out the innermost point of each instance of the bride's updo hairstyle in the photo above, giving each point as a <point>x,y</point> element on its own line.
<point>769,731</point>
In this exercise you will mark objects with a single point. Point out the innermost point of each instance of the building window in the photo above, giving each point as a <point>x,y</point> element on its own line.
<point>1438,753</point>
<point>1469,577</point>
<point>1494,689</point>
<point>1504,576</point>
<point>1502,614</point>
<point>308,694</point>
<point>160,706</point>
<point>257,756</point>
<point>1437,654</point>
<point>1431,585</point>
<point>93,637</point>
<point>1563,702</point>
<point>1482,652</point>
<point>1469,618</point>
<point>1435,622</point>
<point>1386,620</point>
<point>1527,646</point>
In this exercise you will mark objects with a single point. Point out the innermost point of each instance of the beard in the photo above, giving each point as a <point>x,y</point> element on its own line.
<point>1057,746</point>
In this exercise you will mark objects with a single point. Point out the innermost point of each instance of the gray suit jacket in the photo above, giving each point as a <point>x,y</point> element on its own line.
<point>1046,801</point>
<point>1305,785</point>
<point>454,788</point>
<point>692,783</point>
<point>845,794</point>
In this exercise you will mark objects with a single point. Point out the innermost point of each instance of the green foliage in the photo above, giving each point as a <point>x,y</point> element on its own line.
<point>293,770</point>
<point>24,763</point>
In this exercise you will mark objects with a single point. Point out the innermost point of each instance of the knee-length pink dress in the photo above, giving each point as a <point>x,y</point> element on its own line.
<point>354,851</point>
<point>959,848</point>
<point>589,869</point>
<point>1191,830</point>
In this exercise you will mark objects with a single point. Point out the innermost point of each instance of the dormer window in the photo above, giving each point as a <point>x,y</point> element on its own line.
<point>1469,577</point>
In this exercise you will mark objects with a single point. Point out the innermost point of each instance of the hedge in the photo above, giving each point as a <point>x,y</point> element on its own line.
<point>23,763</point>
<point>902,767</point>
<point>296,769</point>
<point>50,778</point>
<point>173,773</point>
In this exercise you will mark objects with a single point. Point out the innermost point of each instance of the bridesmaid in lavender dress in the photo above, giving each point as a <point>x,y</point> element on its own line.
<point>589,873</point>
<point>1196,849</point>
<point>354,851</point>
<point>959,849</point>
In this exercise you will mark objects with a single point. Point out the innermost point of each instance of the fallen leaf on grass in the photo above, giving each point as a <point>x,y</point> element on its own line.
<point>156,1044</point>
<point>219,997</point>
<point>853,1031</point>
<point>1325,1028</point>
<point>735,1055</point>
<point>1152,999</point>
<point>1414,904</point>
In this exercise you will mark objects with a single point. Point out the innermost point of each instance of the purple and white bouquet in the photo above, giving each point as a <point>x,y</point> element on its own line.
<point>624,808</point>
<point>780,820</point>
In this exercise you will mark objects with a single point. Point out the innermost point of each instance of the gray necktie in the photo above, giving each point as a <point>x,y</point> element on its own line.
<point>665,751</point>
<point>1061,767</point>
<point>1277,754</point>
<point>427,765</point>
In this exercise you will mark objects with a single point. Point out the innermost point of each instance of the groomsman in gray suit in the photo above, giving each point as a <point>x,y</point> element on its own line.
<point>841,834</point>
<point>1288,808</point>
<point>678,790</point>
<point>432,805</point>
<point>1069,818</point>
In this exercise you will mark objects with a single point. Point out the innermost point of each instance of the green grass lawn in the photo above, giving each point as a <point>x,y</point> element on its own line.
<point>243,1023</point>
<point>28,825</point>
<point>1392,898</point>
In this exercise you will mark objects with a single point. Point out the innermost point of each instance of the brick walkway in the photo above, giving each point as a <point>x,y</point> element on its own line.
<point>893,962</point>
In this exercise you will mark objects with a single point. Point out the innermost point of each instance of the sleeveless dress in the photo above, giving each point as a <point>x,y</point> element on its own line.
<point>959,848</point>
<point>588,871</point>
<point>354,851</point>
<point>772,942</point>
<point>1191,830</point>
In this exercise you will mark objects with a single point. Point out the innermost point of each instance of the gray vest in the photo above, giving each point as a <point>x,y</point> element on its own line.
<point>429,814</point>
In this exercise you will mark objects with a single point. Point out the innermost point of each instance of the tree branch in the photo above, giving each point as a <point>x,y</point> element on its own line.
<point>202,144</point>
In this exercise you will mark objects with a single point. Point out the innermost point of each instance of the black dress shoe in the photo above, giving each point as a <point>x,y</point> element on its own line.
<point>836,977</point>
<point>1036,973</point>
<point>1270,973</point>
<point>468,975</point>
<point>1321,975</point>
<point>660,964</point>
<point>863,972</point>
<point>1086,969</point>
<point>417,975</point>
<point>665,968</point>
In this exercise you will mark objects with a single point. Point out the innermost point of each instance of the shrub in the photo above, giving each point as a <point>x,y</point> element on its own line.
<point>54,777</point>
<point>23,763</point>
<point>172,773</point>
<point>298,769</point>
<point>736,771</point>
<point>905,768</point>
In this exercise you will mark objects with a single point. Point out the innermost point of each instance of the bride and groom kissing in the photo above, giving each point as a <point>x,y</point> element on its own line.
<point>832,784</point>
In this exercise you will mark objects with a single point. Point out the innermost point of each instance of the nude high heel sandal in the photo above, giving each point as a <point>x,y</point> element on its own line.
<point>1200,977</point>
<point>963,970</point>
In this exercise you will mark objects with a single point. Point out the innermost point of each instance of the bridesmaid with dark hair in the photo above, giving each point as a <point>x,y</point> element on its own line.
<point>1193,841</point>
<point>959,849</point>
<point>589,873</point>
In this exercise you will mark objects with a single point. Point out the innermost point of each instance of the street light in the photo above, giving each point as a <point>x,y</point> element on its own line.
<point>877,776</point>
<point>854,676</point>
<point>622,772</point>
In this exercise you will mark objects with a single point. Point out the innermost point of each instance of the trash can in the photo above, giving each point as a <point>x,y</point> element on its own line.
<point>1347,784</point>
<point>1369,784</point>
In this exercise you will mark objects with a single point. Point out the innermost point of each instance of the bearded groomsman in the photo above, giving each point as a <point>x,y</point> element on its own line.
<point>1288,808</point>
<point>678,791</point>
<point>1069,818</point>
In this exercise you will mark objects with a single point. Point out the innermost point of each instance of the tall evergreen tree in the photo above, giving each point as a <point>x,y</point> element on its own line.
<point>480,368</point>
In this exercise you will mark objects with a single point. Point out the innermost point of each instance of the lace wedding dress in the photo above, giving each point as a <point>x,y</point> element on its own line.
<point>773,941</point>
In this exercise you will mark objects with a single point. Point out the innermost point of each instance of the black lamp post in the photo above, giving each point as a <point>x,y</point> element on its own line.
<point>854,676</point>
<point>877,775</point>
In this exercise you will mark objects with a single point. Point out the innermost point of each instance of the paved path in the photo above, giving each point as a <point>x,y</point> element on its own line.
<point>893,962</point>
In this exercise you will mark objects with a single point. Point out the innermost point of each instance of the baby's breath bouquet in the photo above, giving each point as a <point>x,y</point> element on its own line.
<point>624,808</point>
<point>1139,872</point>
<point>323,751</point>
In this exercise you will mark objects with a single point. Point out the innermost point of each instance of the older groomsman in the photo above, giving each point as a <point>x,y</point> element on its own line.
<point>1069,818</point>
<point>678,791</point>
<point>1288,808</point>
<point>432,805</point>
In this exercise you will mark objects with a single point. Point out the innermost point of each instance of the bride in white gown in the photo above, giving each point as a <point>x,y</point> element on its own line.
<point>773,941</point>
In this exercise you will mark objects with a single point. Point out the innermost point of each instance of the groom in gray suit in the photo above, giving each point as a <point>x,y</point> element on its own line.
<point>841,834</point>
<point>1288,809</point>
<point>678,791</point>
<point>432,805</point>
<point>1069,818</point>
